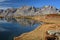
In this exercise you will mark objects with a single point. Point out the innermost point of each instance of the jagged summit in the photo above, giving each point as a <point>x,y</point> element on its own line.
<point>25,10</point>
<point>30,10</point>
<point>48,6</point>
<point>49,10</point>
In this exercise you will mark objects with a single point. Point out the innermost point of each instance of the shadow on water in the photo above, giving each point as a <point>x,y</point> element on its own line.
<point>10,30</point>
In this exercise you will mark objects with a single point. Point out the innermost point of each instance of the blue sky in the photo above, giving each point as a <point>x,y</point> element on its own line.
<point>36,3</point>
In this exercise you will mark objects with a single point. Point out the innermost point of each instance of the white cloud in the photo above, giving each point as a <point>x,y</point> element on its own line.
<point>2,0</point>
<point>1,7</point>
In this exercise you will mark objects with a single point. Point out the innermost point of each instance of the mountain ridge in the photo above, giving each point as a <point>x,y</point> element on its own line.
<point>30,11</point>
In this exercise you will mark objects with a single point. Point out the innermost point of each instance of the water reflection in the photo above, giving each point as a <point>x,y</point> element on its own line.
<point>8,30</point>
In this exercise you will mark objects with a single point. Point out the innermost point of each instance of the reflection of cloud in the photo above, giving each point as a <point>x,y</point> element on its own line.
<point>3,29</point>
<point>2,0</point>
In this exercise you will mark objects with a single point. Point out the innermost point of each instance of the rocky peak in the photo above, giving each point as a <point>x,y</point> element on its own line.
<point>25,10</point>
<point>1,11</point>
<point>49,10</point>
<point>30,10</point>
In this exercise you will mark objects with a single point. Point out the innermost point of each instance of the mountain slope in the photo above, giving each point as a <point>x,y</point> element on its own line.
<point>29,11</point>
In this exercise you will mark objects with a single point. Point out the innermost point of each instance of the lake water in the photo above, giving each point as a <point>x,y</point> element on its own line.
<point>9,30</point>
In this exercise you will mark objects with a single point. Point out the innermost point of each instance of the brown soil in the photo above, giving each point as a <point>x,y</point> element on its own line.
<point>39,33</point>
<point>52,22</point>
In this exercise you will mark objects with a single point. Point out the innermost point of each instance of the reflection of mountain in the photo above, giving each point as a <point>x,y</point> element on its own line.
<point>47,14</point>
<point>26,22</point>
<point>11,13</point>
<point>28,16</point>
